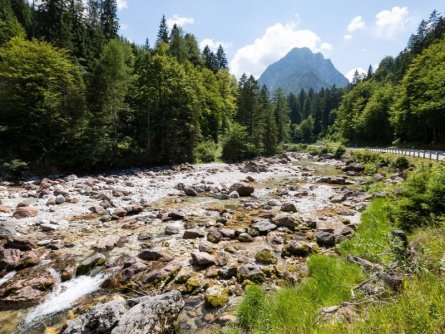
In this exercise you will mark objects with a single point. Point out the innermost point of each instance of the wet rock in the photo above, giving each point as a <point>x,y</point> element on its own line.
<point>88,264</point>
<point>242,189</point>
<point>25,212</point>
<point>288,207</point>
<point>296,248</point>
<point>263,226</point>
<point>325,239</point>
<point>189,191</point>
<point>266,256</point>
<point>284,220</point>
<point>203,259</point>
<point>109,242</point>
<point>214,236</point>
<point>154,315</point>
<point>216,296</point>
<point>193,234</point>
<point>26,289</point>
<point>153,255</point>
<point>171,230</point>
<point>245,237</point>
<point>101,319</point>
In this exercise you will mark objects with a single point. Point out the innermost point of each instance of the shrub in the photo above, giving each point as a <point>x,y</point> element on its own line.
<point>400,163</point>
<point>339,151</point>
<point>15,168</point>
<point>206,151</point>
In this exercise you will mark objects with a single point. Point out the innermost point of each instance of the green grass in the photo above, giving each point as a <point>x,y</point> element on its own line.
<point>371,240</point>
<point>420,309</point>
<point>294,309</point>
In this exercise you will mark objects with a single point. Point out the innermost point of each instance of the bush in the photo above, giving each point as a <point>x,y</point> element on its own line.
<point>15,168</point>
<point>400,163</point>
<point>206,151</point>
<point>339,151</point>
<point>422,201</point>
<point>236,144</point>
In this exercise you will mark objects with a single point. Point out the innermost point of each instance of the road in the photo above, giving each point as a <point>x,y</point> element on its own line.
<point>425,154</point>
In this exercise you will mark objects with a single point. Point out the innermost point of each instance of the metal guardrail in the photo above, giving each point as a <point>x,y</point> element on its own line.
<point>424,154</point>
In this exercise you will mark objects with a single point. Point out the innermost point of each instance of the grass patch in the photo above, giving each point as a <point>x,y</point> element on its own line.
<point>420,309</point>
<point>294,309</point>
<point>371,241</point>
<point>428,245</point>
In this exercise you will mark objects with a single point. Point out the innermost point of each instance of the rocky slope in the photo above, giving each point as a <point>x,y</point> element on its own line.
<point>202,232</point>
<point>302,69</point>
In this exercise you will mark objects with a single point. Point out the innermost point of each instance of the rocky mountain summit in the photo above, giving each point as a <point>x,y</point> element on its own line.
<point>302,69</point>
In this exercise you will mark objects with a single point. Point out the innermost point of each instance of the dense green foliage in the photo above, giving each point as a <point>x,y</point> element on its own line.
<point>403,100</point>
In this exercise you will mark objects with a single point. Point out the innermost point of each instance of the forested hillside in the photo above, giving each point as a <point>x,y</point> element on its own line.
<point>403,101</point>
<point>76,96</point>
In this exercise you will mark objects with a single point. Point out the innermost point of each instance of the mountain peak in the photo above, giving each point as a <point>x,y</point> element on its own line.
<point>302,69</point>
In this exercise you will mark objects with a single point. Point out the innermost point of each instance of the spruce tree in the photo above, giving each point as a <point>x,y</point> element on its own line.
<point>163,32</point>
<point>178,48</point>
<point>210,60</point>
<point>109,20</point>
<point>221,58</point>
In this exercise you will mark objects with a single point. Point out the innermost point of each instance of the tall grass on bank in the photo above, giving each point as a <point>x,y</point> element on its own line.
<point>294,309</point>
<point>371,240</point>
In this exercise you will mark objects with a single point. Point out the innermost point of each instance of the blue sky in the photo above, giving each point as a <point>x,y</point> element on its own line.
<point>352,33</point>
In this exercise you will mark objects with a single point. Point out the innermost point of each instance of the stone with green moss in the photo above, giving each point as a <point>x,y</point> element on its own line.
<point>216,296</point>
<point>266,256</point>
<point>93,261</point>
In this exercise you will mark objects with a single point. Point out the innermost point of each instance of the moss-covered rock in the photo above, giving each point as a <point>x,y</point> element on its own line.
<point>216,296</point>
<point>87,265</point>
<point>266,256</point>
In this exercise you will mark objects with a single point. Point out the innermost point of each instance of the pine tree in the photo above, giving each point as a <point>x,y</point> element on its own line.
<point>370,72</point>
<point>163,32</point>
<point>269,126</point>
<point>222,59</point>
<point>281,110</point>
<point>109,20</point>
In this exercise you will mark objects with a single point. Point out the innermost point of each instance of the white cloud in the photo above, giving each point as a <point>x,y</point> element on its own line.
<point>389,23</point>
<point>276,42</point>
<point>121,4</point>
<point>347,37</point>
<point>357,23</point>
<point>180,21</point>
<point>350,74</point>
<point>214,44</point>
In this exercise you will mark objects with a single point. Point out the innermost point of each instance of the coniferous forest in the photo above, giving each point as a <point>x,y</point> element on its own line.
<point>77,96</point>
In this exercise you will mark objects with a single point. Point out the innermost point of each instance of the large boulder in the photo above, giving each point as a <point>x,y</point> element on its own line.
<point>101,319</point>
<point>203,259</point>
<point>7,229</point>
<point>325,238</point>
<point>25,212</point>
<point>88,264</point>
<point>216,296</point>
<point>154,315</point>
<point>284,220</point>
<point>242,189</point>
